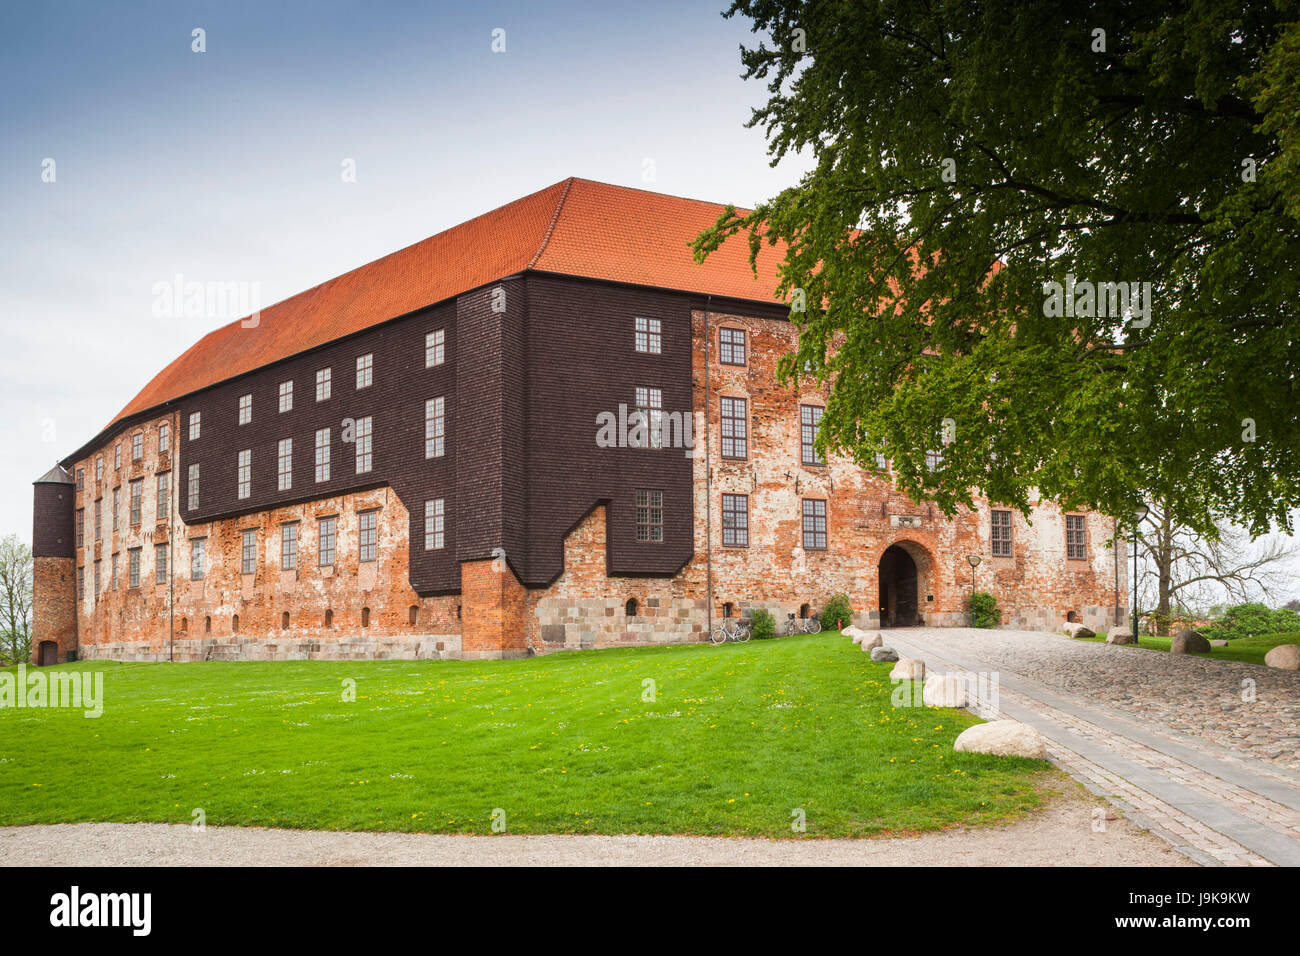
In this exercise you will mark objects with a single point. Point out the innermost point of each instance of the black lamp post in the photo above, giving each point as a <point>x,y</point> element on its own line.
<point>1139,515</point>
<point>974,560</point>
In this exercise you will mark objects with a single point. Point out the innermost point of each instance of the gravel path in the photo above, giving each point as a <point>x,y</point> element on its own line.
<point>1063,834</point>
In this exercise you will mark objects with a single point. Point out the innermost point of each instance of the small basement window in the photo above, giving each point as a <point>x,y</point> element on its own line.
<point>365,617</point>
<point>284,620</point>
<point>630,608</point>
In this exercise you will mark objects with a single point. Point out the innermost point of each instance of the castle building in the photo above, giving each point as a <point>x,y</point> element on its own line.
<point>546,428</point>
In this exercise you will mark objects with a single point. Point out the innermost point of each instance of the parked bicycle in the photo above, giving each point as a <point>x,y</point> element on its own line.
<point>807,625</point>
<point>737,631</point>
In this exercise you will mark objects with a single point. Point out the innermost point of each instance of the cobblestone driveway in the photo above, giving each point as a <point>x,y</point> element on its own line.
<point>1204,753</point>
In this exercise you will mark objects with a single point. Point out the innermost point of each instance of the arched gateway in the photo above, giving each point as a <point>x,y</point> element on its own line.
<point>903,575</point>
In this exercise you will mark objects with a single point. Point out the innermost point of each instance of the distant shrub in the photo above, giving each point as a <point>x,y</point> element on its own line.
<point>762,624</point>
<point>837,610</point>
<point>1252,619</point>
<point>984,608</point>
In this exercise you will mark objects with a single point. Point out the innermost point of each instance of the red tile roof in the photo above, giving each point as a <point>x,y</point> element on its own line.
<point>576,227</point>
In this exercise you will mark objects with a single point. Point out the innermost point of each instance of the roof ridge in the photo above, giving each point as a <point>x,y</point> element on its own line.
<point>555,217</point>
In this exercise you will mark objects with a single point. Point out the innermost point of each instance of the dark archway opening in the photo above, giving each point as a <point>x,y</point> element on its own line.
<point>898,607</point>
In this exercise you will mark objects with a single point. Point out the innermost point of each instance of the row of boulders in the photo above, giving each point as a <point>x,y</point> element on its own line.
<point>1003,738</point>
<point>1283,657</point>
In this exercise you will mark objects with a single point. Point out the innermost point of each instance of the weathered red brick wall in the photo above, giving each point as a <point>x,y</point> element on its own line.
<point>54,605</point>
<point>494,610</point>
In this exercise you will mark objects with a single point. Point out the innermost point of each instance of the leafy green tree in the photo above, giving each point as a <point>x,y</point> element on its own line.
<point>968,154</point>
<point>15,598</point>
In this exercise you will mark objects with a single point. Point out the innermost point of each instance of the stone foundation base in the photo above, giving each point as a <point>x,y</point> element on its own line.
<point>356,648</point>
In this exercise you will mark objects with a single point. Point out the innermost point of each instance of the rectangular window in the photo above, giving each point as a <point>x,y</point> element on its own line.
<point>649,515</point>
<point>731,346</point>
<point>326,542</point>
<point>81,584</point>
<point>369,539</point>
<point>133,568</point>
<point>112,578</point>
<point>245,409</point>
<point>284,464</point>
<point>648,337</point>
<point>1076,541</point>
<point>933,459</point>
<point>81,479</point>
<point>195,426</point>
<point>365,370</point>
<point>99,469</point>
<point>433,524</point>
<point>244,474</point>
<point>434,427</point>
<point>81,526</point>
<point>362,441</point>
<point>814,524</point>
<point>1000,538</point>
<point>137,494</point>
<point>117,456</point>
<point>649,409</point>
<point>194,488</point>
<point>97,579</point>
<point>286,396</point>
<point>735,521</point>
<point>99,525</point>
<point>322,384</point>
<point>881,461</point>
<point>117,506</point>
<point>435,348</point>
<point>289,546</point>
<point>160,563</point>
<point>322,454</point>
<point>810,416</point>
<point>248,551</point>
<point>164,436</point>
<point>198,559</point>
<point>163,505</point>
<point>735,442</point>
<point>137,446</point>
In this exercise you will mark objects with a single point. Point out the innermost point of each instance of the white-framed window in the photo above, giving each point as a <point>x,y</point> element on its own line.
<point>198,559</point>
<point>160,564</point>
<point>731,346</point>
<point>113,571</point>
<point>99,469</point>
<point>814,524</point>
<point>248,551</point>
<point>810,419</point>
<point>435,424</point>
<point>363,442</point>
<point>650,408</point>
<point>164,436</point>
<point>322,384</point>
<point>244,474</point>
<point>245,409</point>
<point>117,506</point>
<point>365,370</point>
<point>369,536</point>
<point>435,348</point>
<point>327,540</point>
<point>933,459</point>
<point>284,465</point>
<point>137,446</point>
<point>322,454</point>
<point>193,489</point>
<point>648,336</point>
<point>164,493</point>
<point>433,524</point>
<point>286,396</point>
<point>136,499</point>
<point>196,422</point>
<point>649,515</point>
<point>289,546</point>
<point>117,456</point>
<point>133,568</point>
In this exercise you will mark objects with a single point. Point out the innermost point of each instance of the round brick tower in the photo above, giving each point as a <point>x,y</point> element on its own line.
<point>54,569</point>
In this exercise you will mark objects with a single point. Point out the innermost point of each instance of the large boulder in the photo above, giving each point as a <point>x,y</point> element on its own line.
<point>1075,629</point>
<point>1002,738</point>
<point>1189,642</point>
<point>908,668</point>
<point>854,632</point>
<point>870,641</point>
<point>944,690</point>
<point>882,653</point>
<point>1284,657</point>
<point>1219,643</point>
<point>1120,635</point>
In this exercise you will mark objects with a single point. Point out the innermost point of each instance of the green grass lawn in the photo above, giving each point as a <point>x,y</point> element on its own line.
<point>1248,650</point>
<point>737,738</point>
